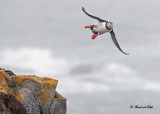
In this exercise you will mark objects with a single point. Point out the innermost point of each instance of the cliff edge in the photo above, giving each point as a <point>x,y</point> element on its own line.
<point>21,94</point>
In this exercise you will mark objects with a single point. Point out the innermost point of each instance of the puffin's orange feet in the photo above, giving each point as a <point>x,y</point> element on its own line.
<point>89,26</point>
<point>94,36</point>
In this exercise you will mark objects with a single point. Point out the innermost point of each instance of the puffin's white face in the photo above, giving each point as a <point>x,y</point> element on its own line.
<point>110,25</point>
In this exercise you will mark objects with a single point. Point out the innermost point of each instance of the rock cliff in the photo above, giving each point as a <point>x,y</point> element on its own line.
<point>21,94</point>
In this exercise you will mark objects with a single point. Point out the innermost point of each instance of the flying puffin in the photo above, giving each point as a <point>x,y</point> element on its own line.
<point>102,27</point>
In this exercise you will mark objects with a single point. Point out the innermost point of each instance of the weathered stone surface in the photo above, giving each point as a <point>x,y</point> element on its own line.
<point>10,105</point>
<point>58,105</point>
<point>29,95</point>
<point>31,103</point>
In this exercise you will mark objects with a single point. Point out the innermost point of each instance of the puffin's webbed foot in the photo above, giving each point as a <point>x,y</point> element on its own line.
<point>94,36</point>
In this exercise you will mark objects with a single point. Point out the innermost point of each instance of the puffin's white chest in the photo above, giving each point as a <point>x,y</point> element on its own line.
<point>100,28</point>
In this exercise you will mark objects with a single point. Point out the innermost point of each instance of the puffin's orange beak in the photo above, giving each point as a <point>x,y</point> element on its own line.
<point>89,26</point>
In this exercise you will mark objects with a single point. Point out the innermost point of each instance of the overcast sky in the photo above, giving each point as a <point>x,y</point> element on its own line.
<point>47,38</point>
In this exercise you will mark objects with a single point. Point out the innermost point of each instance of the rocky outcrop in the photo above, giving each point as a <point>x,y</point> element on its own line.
<point>21,94</point>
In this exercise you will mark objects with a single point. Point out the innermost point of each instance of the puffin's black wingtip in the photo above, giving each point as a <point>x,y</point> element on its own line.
<point>83,8</point>
<point>126,53</point>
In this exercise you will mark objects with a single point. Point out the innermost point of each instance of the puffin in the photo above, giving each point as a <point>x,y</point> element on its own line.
<point>102,27</point>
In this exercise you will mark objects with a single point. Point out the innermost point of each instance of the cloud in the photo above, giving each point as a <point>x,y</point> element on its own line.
<point>77,75</point>
<point>152,86</point>
<point>40,61</point>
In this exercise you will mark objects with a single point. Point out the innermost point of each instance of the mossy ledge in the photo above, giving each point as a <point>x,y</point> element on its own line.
<point>29,94</point>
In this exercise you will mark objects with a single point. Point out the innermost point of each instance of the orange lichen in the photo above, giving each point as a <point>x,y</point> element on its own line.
<point>3,84</point>
<point>48,85</point>
<point>54,82</point>
<point>45,85</point>
<point>46,93</point>
<point>31,76</point>
<point>19,96</point>
<point>20,78</point>
<point>42,97</point>
<point>44,80</point>
<point>2,78</point>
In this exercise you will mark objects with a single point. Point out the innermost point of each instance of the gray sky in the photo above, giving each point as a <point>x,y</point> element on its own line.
<point>47,38</point>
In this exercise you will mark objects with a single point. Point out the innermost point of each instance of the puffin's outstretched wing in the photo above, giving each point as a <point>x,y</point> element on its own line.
<point>94,17</point>
<point>113,36</point>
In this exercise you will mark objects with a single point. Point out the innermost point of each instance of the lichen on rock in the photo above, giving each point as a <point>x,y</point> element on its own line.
<point>21,94</point>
